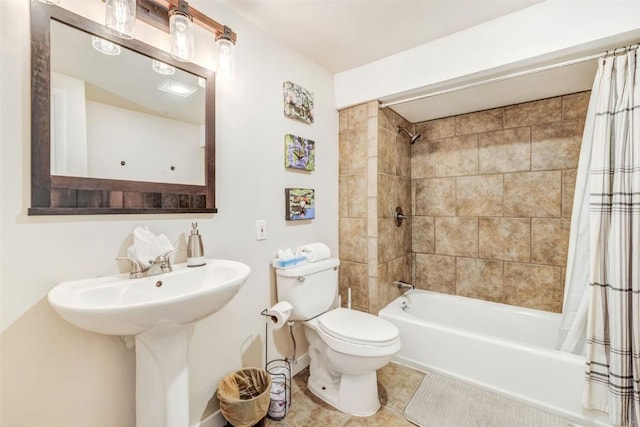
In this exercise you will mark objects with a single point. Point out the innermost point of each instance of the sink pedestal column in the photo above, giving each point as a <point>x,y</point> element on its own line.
<point>162,377</point>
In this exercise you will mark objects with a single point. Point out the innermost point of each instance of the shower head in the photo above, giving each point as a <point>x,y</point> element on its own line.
<point>412,138</point>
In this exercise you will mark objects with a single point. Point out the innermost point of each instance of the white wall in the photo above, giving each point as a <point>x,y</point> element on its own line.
<point>54,374</point>
<point>545,32</point>
<point>68,126</point>
<point>149,148</point>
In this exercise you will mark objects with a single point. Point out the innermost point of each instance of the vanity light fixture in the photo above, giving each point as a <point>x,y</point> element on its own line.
<point>225,54</point>
<point>178,18</point>
<point>120,18</point>
<point>181,32</point>
<point>105,46</point>
<point>162,68</point>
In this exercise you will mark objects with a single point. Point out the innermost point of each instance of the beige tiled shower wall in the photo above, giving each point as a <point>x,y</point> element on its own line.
<point>374,170</point>
<point>394,190</point>
<point>353,204</point>
<point>492,196</point>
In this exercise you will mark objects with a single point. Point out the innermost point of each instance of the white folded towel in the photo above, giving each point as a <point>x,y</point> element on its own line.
<point>314,251</point>
<point>147,246</point>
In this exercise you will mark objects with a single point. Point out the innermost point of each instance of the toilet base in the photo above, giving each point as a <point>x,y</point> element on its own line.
<point>354,394</point>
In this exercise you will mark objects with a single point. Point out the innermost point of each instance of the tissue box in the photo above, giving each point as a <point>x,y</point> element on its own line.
<point>289,262</point>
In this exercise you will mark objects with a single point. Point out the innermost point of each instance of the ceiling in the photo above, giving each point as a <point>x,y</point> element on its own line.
<point>107,78</point>
<point>547,84</point>
<point>343,34</point>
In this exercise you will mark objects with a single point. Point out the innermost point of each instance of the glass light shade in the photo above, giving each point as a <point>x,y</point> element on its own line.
<point>225,58</point>
<point>120,18</point>
<point>105,46</point>
<point>162,68</point>
<point>182,44</point>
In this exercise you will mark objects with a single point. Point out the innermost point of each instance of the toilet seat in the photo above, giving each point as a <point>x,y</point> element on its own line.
<point>341,333</point>
<point>358,327</point>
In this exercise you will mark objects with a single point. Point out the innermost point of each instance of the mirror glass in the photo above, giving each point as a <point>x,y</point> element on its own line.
<point>118,114</point>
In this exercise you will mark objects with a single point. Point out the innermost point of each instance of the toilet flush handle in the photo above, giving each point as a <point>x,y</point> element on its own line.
<point>301,279</point>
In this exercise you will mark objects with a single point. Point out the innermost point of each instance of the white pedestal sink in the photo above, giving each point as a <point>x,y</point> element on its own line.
<point>160,311</point>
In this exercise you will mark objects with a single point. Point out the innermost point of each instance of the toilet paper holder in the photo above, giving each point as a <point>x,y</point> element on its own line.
<point>278,315</point>
<point>280,371</point>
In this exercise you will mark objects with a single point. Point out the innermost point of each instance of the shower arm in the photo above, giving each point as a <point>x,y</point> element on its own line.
<point>401,129</point>
<point>413,137</point>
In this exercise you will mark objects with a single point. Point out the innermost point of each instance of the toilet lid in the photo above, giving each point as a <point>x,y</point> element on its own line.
<point>358,327</point>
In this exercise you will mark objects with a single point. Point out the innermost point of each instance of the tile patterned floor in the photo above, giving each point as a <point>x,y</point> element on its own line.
<point>396,385</point>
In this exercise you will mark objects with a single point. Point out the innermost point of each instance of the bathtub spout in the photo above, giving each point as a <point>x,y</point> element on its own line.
<point>403,285</point>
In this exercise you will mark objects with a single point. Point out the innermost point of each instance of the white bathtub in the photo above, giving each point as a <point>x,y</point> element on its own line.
<point>507,349</point>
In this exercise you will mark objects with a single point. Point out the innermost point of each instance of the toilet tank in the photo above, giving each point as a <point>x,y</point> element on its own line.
<point>310,288</point>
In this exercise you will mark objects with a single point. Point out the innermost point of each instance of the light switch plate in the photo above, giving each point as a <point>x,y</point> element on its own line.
<point>261,229</point>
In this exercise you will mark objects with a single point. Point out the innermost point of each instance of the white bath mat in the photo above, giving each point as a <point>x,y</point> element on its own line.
<point>445,402</point>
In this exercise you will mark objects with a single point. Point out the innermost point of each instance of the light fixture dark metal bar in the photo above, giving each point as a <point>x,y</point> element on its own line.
<point>153,14</point>
<point>156,13</point>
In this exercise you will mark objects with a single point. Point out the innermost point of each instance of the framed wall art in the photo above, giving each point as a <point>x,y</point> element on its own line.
<point>299,153</point>
<point>300,203</point>
<point>298,102</point>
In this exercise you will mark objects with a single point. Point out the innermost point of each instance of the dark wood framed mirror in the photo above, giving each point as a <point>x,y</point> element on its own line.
<point>131,138</point>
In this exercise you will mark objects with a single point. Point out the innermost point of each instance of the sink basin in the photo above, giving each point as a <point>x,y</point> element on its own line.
<point>161,312</point>
<point>117,305</point>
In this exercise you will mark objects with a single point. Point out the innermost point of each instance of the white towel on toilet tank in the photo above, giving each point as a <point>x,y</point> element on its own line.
<point>314,251</point>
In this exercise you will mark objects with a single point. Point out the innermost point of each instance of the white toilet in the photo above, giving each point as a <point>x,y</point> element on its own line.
<point>346,347</point>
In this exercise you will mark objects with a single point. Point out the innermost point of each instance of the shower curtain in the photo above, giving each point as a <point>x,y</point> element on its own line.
<point>612,296</point>
<point>573,325</point>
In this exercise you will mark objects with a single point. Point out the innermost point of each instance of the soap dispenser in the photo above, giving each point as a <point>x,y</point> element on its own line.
<point>195,253</point>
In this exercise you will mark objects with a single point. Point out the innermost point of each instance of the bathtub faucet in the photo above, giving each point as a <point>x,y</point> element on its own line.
<point>403,285</point>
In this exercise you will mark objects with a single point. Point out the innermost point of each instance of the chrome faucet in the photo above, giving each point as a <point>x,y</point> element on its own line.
<point>160,265</point>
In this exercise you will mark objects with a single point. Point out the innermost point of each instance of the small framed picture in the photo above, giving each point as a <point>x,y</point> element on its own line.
<point>298,102</point>
<point>300,203</point>
<point>299,153</point>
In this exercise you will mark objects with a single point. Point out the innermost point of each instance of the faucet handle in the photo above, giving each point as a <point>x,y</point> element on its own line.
<point>171,252</point>
<point>165,260</point>
<point>136,268</point>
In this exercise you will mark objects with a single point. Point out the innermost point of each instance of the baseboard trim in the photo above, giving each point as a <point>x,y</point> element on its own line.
<point>300,363</point>
<point>214,420</point>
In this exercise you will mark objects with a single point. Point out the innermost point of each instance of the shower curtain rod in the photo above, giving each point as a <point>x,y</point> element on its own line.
<point>616,51</point>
